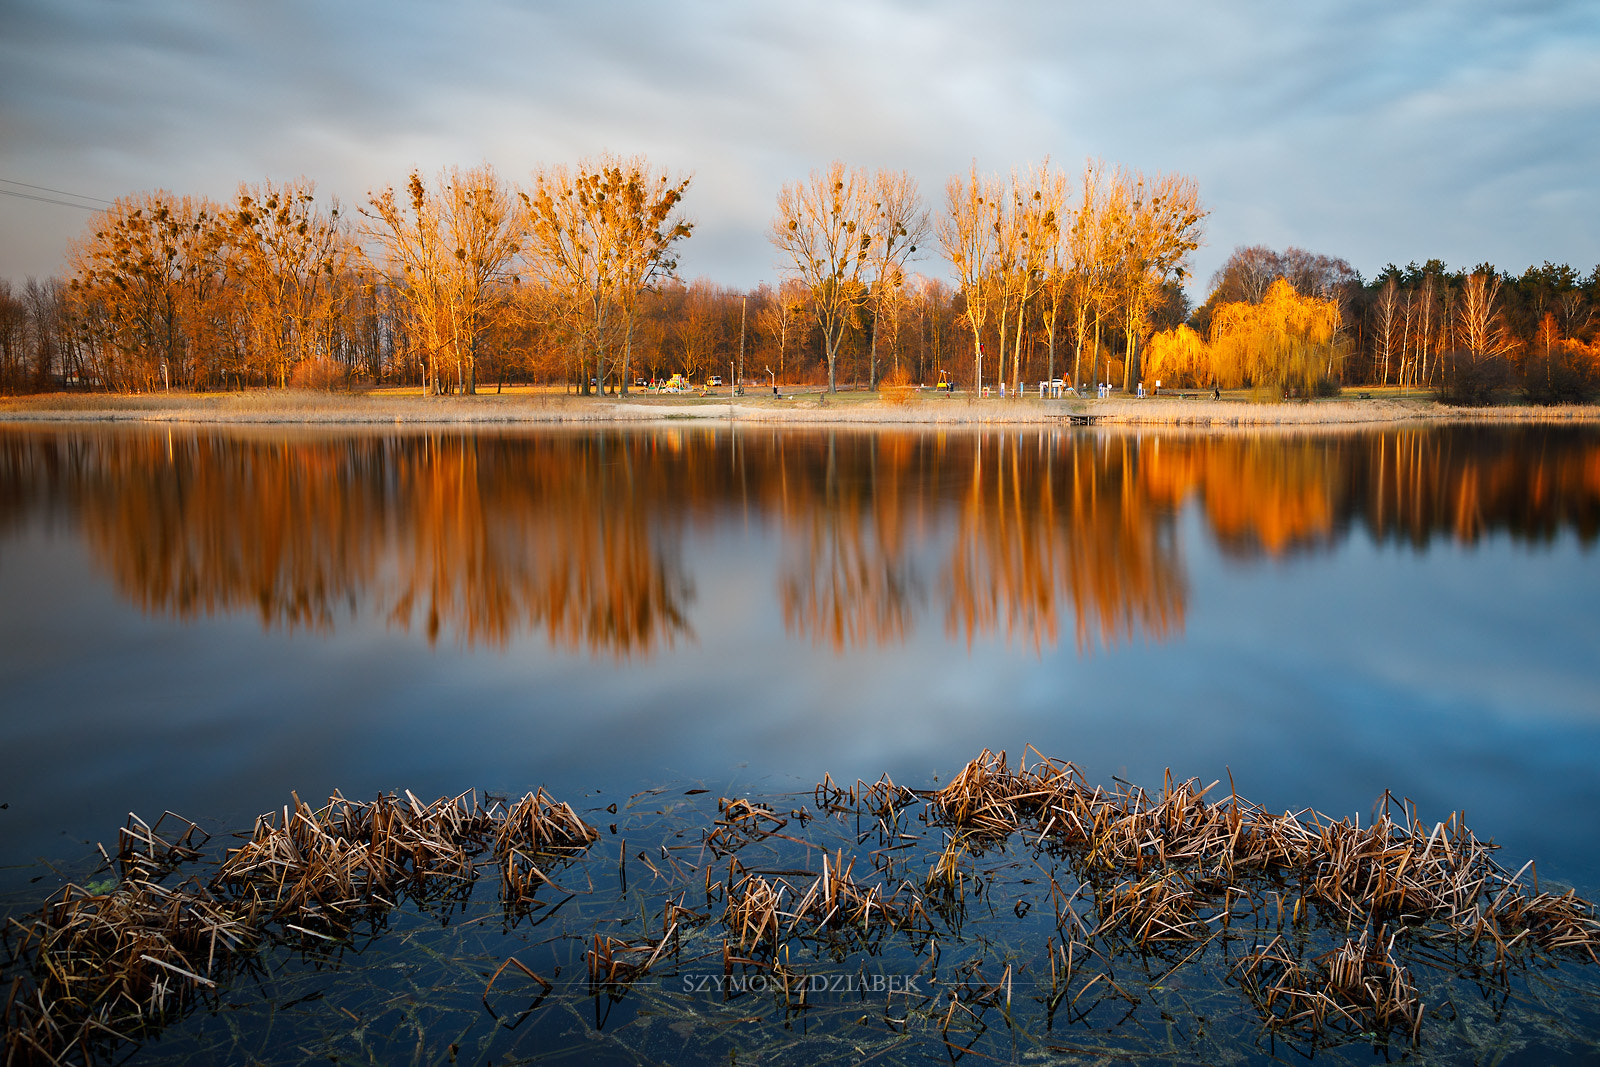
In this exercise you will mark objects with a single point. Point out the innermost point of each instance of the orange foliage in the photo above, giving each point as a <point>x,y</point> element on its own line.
<point>575,535</point>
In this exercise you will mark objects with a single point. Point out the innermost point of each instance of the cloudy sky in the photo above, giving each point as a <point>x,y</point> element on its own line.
<point>1377,131</point>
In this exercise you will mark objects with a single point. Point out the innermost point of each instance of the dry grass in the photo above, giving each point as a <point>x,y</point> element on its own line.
<point>1336,914</point>
<point>96,968</point>
<point>1173,867</point>
<point>895,405</point>
<point>761,912</point>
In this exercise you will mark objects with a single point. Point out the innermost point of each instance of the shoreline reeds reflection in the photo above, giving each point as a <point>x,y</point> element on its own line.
<point>579,536</point>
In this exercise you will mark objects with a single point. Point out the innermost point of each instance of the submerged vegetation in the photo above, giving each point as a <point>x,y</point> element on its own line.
<point>1017,910</point>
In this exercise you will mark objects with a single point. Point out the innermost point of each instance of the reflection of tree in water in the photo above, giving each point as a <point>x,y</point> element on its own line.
<point>1039,527</point>
<point>847,580</point>
<point>1262,493</point>
<point>1274,494</point>
<point>576,535</point>
<point>485,538</point>
<point>554,536</point>
<point>1054,525</point>
<point>194,525</point>
<point>1532,481</point>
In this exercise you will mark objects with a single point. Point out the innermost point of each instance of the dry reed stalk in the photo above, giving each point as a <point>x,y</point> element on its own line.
<point>755,905</point>
<point>616,963</point>
<point>1153,859</point>
<point>98,967</point>
<point>104,966</point>
<point>741,822</point>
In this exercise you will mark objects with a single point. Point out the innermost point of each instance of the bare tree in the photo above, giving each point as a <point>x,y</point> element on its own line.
<point>1389,326</point>
<point>1090,237</point>
<point>967,230</point>
<point>1481,334</point>
<point>780,319</point>
<point>598,235</point>
<point>1160,228</point>
<point>899,225</point>
<point>287,255</point>
<point>824,229</point>
<point>1055,277</point>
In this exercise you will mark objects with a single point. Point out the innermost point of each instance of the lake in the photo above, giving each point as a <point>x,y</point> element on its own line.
<point>202,620</point>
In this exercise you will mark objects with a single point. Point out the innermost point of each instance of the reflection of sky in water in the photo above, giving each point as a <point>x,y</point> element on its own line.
<point>1458,675</point>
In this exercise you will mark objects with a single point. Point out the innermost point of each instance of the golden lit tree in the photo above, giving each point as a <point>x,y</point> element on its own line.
<point>1285,344</point>
<point>825,229</point>
<point>1179,356</point>
<point>144,281</point>
<point>598,235</point>
<point>967,230</point>
<point>781,318</point>
<point>1158,228</point>
<point>451,251</point>
<point>899,225</point>
<point>287,256</point>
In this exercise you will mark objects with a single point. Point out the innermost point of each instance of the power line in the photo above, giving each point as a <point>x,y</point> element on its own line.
<point>58,192</point>
<point>47,200</point>
<point>50,199</point>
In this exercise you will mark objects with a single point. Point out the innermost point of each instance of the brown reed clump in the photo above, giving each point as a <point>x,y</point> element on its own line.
<point>754,911</point>
<point>151,851</point>
<point>1155,860</point>
<point>1162,906</point>
<point>351,859</point>
<point>617,963</point>
<point>539,823</point>
<point>1358,987</point>
<point>95,968</point>
<point>761,912</point>
<point>104,965</point>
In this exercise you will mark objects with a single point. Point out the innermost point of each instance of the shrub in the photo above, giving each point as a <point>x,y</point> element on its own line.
<point>897,388</point>
<point>1569,374</point>
<point>1471,380</point>
<point>320,373</point>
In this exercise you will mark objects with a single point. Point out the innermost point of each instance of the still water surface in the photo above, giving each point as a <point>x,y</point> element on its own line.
<point>202,620</point>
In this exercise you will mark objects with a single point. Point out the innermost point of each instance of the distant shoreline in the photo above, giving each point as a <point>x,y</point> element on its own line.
<point>522,407</point>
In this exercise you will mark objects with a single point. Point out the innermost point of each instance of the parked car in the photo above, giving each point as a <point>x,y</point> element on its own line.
<point>713,381</point>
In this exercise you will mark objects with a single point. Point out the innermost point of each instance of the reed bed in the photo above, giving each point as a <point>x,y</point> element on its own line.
<point>95,969</point>
<point>1173,867</point>
<point>1154,908</point>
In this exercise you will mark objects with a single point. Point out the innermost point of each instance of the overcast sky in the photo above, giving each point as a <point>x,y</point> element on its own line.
<point>1377,131</point>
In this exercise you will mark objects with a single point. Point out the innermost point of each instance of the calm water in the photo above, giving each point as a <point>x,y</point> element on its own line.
<point>203,620</point>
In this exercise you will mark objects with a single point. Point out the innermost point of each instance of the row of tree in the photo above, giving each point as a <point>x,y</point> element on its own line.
<point>571,277</point>
<point>1300,322</point>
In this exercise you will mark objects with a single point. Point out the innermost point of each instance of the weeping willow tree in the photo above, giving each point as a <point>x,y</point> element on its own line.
<point>1287,344</point>
<point>1178,357</point>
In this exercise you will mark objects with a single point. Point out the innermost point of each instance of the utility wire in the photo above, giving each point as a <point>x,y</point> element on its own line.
<point>50,199</point>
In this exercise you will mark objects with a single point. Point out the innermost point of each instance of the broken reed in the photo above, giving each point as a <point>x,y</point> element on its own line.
<point>1172,868</point>
<point>1166,875</point>
<point>99,967</point>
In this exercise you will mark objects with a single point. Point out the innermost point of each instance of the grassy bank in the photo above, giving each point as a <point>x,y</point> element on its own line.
<point>536,406</point>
